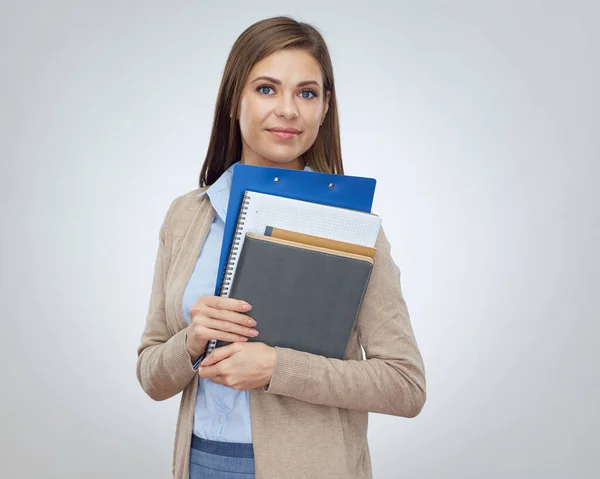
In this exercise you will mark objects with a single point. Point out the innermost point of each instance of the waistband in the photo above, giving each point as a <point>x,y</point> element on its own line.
<point>229,449</point>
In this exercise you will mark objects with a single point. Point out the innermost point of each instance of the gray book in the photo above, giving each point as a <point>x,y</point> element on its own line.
<point>303,297</point>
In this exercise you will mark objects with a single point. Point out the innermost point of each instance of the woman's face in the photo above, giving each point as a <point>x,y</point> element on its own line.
<point>283,91</point>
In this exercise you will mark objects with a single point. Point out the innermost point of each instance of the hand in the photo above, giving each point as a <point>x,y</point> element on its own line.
<point>214,317</point>
<point>240,366</point>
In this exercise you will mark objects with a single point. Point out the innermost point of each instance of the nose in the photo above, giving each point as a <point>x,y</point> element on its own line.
<point>286,107</point>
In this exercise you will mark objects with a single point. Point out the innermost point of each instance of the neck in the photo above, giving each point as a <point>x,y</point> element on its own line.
<point>295,164</point>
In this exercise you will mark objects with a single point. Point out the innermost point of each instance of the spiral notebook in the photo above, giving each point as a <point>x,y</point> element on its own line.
<point>259,211</point>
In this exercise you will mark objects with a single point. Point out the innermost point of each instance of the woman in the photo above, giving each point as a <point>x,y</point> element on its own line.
<point>252,410</point>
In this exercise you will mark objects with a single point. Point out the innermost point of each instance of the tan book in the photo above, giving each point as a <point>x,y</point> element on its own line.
<point>320,242</point>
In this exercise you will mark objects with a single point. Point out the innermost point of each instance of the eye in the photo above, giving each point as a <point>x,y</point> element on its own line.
<point>314,95</point>
<point>262,88</point>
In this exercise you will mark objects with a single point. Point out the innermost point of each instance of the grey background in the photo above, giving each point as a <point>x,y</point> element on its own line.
<point>480,121</point>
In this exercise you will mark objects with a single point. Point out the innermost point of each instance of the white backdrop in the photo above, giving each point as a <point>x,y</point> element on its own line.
<point>478,118</point>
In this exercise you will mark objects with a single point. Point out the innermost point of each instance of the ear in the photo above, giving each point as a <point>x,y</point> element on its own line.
<point>326,105</point>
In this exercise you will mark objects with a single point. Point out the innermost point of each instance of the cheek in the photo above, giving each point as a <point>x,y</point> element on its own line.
<point>244,118</point>
<point>252,115</point>
<point>312,122</point>
<point>313,116</point>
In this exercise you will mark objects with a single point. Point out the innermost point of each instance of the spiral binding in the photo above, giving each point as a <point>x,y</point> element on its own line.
<point>235,246</point>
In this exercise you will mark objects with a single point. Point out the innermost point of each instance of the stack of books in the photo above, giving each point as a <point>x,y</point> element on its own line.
<point>304,266</point>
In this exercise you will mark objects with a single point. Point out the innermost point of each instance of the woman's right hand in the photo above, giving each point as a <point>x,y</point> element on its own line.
<point>215,317</point>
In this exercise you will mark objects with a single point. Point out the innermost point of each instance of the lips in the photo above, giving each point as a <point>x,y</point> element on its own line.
<point>284,133</point>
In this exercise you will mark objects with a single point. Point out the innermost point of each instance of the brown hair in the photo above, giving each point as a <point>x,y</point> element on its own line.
<point>255,43</point>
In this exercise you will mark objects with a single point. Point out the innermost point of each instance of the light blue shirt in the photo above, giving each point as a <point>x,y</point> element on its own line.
<point>221,413</point>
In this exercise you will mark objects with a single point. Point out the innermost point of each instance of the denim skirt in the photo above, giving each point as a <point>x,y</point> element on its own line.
<point>220,460</point>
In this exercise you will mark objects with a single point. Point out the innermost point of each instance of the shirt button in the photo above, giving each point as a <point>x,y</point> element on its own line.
<point>220,418</point>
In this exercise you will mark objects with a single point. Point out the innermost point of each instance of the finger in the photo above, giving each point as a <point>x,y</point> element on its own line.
<point>208,372</point>
<point>229,304</point>
<point>219,354</point>
<point>226,326</point>
<point>230,316</point>
<point>223,335</point>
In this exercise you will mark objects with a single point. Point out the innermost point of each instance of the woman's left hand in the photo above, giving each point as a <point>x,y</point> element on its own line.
<point>240,365</point>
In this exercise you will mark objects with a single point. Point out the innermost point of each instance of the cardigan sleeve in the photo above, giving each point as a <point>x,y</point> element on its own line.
<point>164,367</point>
<point>392,378</point>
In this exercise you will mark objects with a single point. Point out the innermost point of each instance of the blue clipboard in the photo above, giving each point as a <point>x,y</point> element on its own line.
<point>351,192</point>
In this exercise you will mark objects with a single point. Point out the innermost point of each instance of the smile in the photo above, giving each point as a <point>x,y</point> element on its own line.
<point>284,135</point>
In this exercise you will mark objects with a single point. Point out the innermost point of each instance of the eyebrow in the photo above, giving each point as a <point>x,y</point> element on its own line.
<point>278,82</point>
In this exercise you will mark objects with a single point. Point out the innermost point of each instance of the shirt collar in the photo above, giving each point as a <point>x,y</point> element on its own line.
<point>218,192</point>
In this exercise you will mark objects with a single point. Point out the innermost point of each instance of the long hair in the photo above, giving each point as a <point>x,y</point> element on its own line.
<point>255,43</point>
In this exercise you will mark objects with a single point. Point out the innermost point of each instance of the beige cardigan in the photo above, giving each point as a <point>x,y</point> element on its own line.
<point>311,421</point>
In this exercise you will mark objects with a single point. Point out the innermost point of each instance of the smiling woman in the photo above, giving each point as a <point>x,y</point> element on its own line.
<point>250,409</point>
<point>278,76</point>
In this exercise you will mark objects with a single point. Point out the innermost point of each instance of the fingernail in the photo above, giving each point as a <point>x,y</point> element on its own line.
<point>251,322</point>
<point>204,361</point>
<point>254,332</point>
<point>247,307</point>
